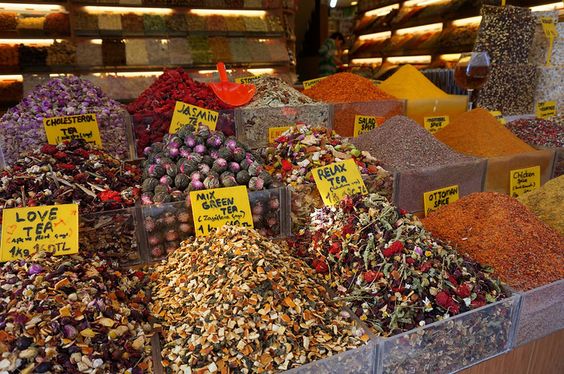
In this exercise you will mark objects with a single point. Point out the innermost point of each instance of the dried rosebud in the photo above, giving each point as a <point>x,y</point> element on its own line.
<point>200,149</point>
<point>214,141</point>
<point>181,181</point>
<point>256,184</point>
<point>195,185</point>
<point>211,181</point>
<point>228,179</point>
<point>231,143</point>
<point>156,171</point>
<point>234,167</point>
<point>69,331</point>
<point>35,269</point>
<point>226,153</point>
<point>149,184</point>
<point>243,177</point>
<point>219,165</point>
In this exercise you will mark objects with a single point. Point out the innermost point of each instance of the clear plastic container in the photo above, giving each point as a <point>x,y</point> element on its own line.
<point>344,113</point>
<point>361,360</point>
<point>444,106</point>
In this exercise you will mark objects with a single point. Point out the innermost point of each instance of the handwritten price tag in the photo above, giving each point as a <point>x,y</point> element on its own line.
<point>275,132</point>
<point>51,228</point>
<point>524,180</point>
<point>434,124</point>
<point>435,199</point>
<point>546,109</point>
<point>67,128</point>
<point>337,180</point>
<point>186,114</point>
<point>364,124</point>
<point>312,82</point>
<point>217,207</point>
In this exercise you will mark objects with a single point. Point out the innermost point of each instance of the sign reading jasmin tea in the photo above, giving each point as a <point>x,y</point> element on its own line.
<point>186,114</point>
<point>524,180</point>
<point>337,180</point>
<point>51,228</point>
<point>497,114</point>
<point>312,82</point>
<point>275,132</point>
<point>434,124</point>
<point>217,207</point>
<point>67,128</point>
<point>364,124</point>
<point>546,109</point>
<point>433,200</point>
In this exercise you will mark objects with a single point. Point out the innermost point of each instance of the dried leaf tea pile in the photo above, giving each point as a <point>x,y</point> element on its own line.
<point>547,203</point>
<point>72,314</point>
<point>236,302</point>
<point>388,269</point>
<point>274,92</point>
<point>497,230</point>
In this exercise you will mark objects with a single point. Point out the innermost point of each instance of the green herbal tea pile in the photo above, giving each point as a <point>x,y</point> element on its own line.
<point>497,230</point>
<point>389,270</point>
<point>237,302</point>
<point>547,203</point>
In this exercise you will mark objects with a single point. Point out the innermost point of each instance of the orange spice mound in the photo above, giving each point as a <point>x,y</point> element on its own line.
<point>478,133</point>
<point>346,88</point>
<point>497,230</point>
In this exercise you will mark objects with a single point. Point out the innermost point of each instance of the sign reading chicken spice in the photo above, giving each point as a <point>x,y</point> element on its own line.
<point>364,124</point>
<point>186,114</point>
<point>337,180</point>
<point>217,207</point>
<point>67,128</point>
<point>545,109</point>
<point>434,124</point>
<point>524,180</point>
<point>435,199</point>
<point>312,82</point>
<point>40,228</point>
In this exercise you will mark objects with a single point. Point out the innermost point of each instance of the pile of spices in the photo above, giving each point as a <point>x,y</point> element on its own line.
<point>497,230</point>
<point>8,21</point>
<point>234,301</point>
<point>72,314</point>
<point>152,110</point>
<point>547,203</point>
<point>113,52</point>
<point>57,24</point>
<point>21,127</point>
<point>274,92</point>
<point>132,23</point>
<point>351,88</point>
<point>9,55</point>
<point>61,53</point>
<point>538,132</point>
<point>548,85</point>
<point>409,83</point>
<point>480,134</point>
<point>388,269</point>
<point>32,55</point>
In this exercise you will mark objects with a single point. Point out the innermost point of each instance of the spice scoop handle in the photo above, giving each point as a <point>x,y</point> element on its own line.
<point>222,72</point>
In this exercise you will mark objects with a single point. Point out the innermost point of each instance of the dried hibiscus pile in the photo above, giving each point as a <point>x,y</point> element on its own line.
<point>152,110</point>
<point>388,269</point>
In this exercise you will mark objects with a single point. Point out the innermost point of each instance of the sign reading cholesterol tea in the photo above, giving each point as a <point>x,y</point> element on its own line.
<point>51,228</point>
<point>275,132</point>
<point>524,180</point>
<point>364,124</point>
<point>217,207</point>
<point>434,124</point>
<point>337,180</point>
<point>67,128</point>
<point>435,199</point>
<point>186,114</point>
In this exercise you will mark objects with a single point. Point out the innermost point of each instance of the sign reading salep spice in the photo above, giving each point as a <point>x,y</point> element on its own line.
<point>497,114</point>
<point>275,132</point>
<point>433,200</point>
<point>434,124</point>
<point>312,82</point>
<point>545,109</point>
<point>337,180</point>
<point>52,228</point>
<point>364,124</point>
<point>67,128</point>
<point>524,180</point>
<point>217,207</point>
<point>186,114</point>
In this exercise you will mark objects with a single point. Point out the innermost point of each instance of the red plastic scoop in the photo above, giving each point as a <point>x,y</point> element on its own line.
<point>230,93</point>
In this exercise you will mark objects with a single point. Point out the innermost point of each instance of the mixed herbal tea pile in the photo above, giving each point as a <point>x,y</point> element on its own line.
<point>496,230</point>
<point>388,269</point>
<point>235,301</point>
<point>72,314</point>
<point>274,92</point>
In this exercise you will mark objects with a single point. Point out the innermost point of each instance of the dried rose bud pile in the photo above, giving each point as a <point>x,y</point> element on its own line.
<point>237,302</point>
<point>389,270</point>
<point>539,132</point>
<point>72,314</point>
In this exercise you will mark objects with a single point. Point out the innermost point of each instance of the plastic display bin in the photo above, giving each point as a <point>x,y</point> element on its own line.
<point>361,360</point>
<point>445,106</point>
<point>344,113</point>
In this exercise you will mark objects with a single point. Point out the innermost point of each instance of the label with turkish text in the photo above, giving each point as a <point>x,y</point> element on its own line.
<point>51,228</point>
<point>312,82</point>
<point>67,128</point>
<point>376,82</point>
<point>337,180</point>
<point>524,180</point>
<point>186,114</point>
<point>217,207</point>
<point>433,200</point>
<point>546,109</point>
<point>275,132</point>
<point>248,79</point>
<point>434,124</point>
<point>364,124</point>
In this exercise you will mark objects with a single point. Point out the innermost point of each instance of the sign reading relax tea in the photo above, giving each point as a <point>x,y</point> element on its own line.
<point>434,124</point>
<point>524,180</point>
<point>364,124</point>
<point>275,132</point>
<point>312,82</point>
<point>186,114</point>
<point>546,109</point>
<point>433,200</point>
<point>337,180</point>
<point>67,128</point>
<point>217,207</point>
<point>51,228</point>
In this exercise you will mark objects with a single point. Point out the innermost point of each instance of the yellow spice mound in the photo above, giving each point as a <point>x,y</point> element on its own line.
<point>409,83</point>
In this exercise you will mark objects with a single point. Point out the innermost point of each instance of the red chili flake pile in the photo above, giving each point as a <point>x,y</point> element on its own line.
<point>346,88</point>
<point>152,110</point>
<point>539,132</point>
<point>497,230</point>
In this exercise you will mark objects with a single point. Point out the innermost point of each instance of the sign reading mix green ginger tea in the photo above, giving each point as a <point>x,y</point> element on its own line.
<point>67,128</point>
<point>186,114</point>
<point>433,200</point>
<point>339,179</point>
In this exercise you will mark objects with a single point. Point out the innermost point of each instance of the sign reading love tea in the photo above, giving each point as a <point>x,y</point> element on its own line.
<point>337,180</point>
<point>186,114</point>
<point>217,207</point>
<point>52,228</point>
<point>524,180</point>
<point>433,200</point>
<point>364,124</point>
<point>275,132</point>
<point>67,128</point>
<point>312,82</point>
<point>434,124</point>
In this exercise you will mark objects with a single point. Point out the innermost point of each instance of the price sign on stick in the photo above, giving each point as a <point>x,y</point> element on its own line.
<point>524,180</point>
<point>312,82</point>
<point>52,228</point>
<point>186,114</point>
<point>549,29</point>
<point>546,109</point>
<point>364,124</point>
<point>434,124</point>
<point>337,180</point>
<point>67,128</point>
